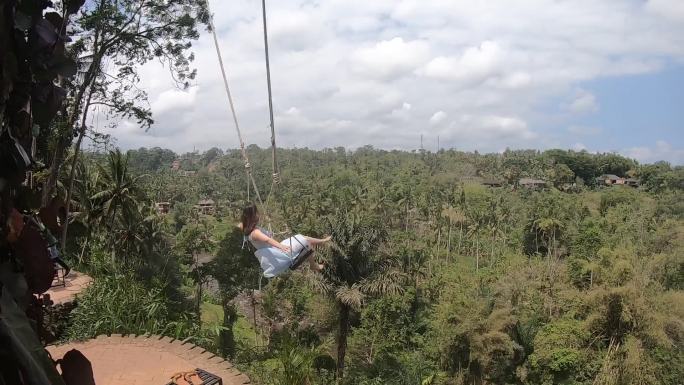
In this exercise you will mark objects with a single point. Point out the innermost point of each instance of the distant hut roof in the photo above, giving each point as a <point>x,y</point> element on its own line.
<point>528,181</point>
<point>492,182</point>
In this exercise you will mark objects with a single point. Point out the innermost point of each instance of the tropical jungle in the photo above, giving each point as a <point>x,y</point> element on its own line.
<point>445,267</point>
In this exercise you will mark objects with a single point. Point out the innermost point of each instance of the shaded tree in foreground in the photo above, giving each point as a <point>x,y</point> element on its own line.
<point>354,271</point>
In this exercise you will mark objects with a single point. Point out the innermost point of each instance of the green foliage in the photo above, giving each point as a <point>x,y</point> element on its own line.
<point>295,363</point>
<point>119,303</point>
<point>152,160</point>
<point>661,176</point>
<point>559,354</point>
<point>617,196</point>
<point>432,278</point>
<point>234,267</point>
<point>33,69</point>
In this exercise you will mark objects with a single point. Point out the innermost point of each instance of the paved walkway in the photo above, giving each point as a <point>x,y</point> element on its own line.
<point>148,360</point>
<point>75,283</point>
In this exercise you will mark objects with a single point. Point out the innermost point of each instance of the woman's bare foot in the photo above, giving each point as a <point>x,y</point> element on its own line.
<point>320,268</point>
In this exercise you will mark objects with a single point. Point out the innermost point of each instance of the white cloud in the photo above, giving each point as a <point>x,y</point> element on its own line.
<point>476,64</point>
<point>489,133</point>
<point>297,30</point>
<point>579,146</point>
<point>584,102</point>
<point>438,117</point>
<point>661,150</point>
<point>390,58</point>
<point>403,112</point>
<point>174,99</point>
<point>495,127</point>
<point>669,9</point>
<point>294,111</point>
<point>516,80</point>
<point>355,72</point>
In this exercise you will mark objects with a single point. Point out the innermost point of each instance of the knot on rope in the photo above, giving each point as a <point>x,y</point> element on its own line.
<point>276,178</point>
<point>248,166</point>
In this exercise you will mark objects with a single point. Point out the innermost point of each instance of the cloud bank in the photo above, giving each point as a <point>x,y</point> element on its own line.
<point>477,74</point>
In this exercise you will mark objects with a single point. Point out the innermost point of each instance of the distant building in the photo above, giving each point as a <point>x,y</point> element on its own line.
<point>206,206</point>
<point>176,165</point>
<point>162,207</point>
<point>492,183</point>
<point>608,179</point>
<point>532,183</point>
<point>612,180</point>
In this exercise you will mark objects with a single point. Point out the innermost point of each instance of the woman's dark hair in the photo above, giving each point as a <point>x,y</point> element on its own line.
<point>250,219</point>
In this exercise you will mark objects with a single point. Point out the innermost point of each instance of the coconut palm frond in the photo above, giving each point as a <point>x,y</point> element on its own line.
<point>350,296</point>
<point>319,284</point>
<point>388,282</point>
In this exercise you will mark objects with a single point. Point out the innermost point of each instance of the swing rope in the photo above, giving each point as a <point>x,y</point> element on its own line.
<point>276,176</point>
<point>276,179</point>
<point>245,158</point>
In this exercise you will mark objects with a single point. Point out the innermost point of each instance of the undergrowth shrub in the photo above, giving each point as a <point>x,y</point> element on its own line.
<point>121,304</point>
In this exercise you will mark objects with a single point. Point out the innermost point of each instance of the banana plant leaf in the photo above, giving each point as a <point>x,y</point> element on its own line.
<point>36,366</point>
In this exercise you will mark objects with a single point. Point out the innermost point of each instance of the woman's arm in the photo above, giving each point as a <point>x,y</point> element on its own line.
<point>260,236</point>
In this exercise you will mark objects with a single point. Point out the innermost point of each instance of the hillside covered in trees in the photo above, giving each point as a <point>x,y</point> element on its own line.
<point>437,275</point>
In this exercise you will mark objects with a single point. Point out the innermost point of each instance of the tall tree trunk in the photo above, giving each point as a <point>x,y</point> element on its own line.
<point>85,245</point>
<point>72,172</point>
<point>111,228</point>
<point>64,141</point>
<point>227,336</point>
<point>342,338</point>
<point>491,255</point>
<point>460,237</point>
<point>254,319</point>
<point>477,254</point>
<point>449,242</point>
<point>198,308</point>
<point>439,239</point>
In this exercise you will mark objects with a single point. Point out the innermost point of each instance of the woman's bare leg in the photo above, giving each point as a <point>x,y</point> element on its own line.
<point>317,241</point>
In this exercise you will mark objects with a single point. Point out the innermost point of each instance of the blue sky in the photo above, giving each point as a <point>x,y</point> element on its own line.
<point>637,109</point>
<point>584,74</point>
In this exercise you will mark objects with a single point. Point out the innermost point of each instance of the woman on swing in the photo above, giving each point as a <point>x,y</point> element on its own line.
<point>276,257</point>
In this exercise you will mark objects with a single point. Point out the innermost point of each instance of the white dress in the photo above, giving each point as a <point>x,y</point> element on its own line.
<point>274,261</point>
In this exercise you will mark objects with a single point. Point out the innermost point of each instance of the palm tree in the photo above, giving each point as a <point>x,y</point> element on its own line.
<point>84,211</point>
<point>549,227</point>
<point>476,225</point>
<point>119,194</point>
<point>455,216</point>
<point>191,241</point>
<point>139,234</point>
<point>354,271</point>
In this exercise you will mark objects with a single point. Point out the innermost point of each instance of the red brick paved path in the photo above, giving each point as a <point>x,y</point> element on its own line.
<point>148,360</point>
<point>75,283</point>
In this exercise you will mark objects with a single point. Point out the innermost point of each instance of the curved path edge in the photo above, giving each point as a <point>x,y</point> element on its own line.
<point>147,359</point>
